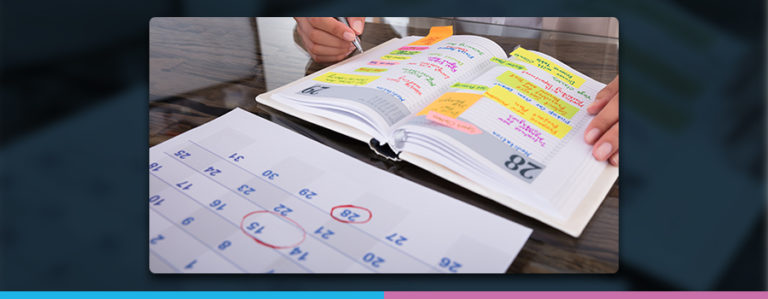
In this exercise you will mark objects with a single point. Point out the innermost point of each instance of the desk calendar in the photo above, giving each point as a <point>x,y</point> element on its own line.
<point>243,195</point>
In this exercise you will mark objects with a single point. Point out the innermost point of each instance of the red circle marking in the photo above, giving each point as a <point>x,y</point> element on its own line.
<point>370,215</point>
<point>304,236</point>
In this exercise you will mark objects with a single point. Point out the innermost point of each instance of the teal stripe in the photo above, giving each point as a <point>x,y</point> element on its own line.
<point>194,295</point>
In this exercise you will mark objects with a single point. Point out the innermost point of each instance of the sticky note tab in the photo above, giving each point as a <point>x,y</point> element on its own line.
<point>469,86</point>
<point>452,104</point>
<point>436,34</point>
<point>370,70</point>
<point>548,66</point>
<point>507,63</point>
<point>538,94</point>
<point>394,57</point>
<point>407,48</point>
<point>528,112</point>
<point>347,79</point>
<point>404,52</point>
<point>379,62</point>
<point>453,123</point>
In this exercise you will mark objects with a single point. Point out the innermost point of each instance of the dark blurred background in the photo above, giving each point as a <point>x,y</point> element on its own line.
<point>73,145</point>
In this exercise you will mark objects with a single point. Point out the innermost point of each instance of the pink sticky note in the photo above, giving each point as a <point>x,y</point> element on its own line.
<point>412,48</point>
<point>453,123</point>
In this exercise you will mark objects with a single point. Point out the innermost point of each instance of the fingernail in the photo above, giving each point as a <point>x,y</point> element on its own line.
<point>349,36</point>
<point>603,150</point>
<point>357,26</point>
<point>592,135</point>
<point>615,159</point>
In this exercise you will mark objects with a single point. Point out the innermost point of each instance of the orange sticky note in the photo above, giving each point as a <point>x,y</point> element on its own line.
<point>436,34</point>
<point>452,104</point>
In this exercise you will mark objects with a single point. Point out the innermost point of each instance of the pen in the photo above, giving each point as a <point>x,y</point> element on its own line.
<point>356,42</point>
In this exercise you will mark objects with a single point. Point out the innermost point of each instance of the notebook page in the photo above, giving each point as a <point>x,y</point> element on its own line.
<point>241,194</point>
<point>397,81</point>
<point>527,126</point>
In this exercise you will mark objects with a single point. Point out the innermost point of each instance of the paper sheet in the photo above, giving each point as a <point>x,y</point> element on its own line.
<point>241,194</point>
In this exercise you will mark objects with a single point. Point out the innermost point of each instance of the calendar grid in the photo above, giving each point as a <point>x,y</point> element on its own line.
<point>263,208</point>
<point>307,203</point>
<point>198,240</point>
<point>227,220</point>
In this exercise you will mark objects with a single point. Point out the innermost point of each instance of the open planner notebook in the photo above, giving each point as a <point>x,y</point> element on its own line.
<point>508,128</point>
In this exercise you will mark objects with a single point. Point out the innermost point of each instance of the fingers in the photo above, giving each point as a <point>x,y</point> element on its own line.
<point>603,121</point>
<point>324,38</point>
<point>602,98</point>
<point>603,132</point>
<point>319,49</point>
<point>334,27</point>
<point>357,24</point>
<point>318,36</point>
<point>331,58</point>
<point>608,146</point>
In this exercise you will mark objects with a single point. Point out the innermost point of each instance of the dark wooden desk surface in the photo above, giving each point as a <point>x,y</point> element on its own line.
<point>200,68</point>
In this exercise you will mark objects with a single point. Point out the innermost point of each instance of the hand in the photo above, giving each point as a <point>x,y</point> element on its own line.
<point>327,39</point>
<point>603,130</point>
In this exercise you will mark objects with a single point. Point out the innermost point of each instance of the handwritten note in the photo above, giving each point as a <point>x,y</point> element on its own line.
<point>548,66</point>
<point>469,86</point>
<point>525,129</point>
<point>409,48</point>
<point>379,62</point>
<point>538,94</point>
<point>370,70</point>
<point>404,52</point>
<point>458,50</point>
<point>412,85</point>
<point>436,34</point>
<point>527,111</point>
<point>453,123</point>
<point>507,63</point>
<point>346,79</point>
<point>452,104</point>
<point>395,57</point>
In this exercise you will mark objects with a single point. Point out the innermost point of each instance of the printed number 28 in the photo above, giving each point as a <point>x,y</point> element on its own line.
<point>516,162</point>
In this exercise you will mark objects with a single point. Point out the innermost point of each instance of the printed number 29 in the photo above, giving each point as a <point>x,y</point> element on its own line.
<point>516,162</point>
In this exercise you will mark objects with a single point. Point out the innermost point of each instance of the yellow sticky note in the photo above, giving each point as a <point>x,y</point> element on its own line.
<point>507,63</point>
<point>538,94</point>
<point>370,70</point>
<point>548,66</point>
<point>404,52</point>
<point>452,104</point>
<point>395,57</point>
<point>436,34</point>
<point>348,79</point>
<point>528,112</point>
